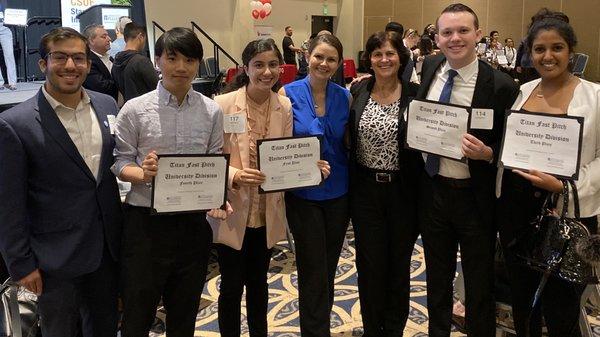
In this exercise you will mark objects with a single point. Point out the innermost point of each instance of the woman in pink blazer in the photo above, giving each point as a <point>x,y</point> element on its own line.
<point>245,239</point>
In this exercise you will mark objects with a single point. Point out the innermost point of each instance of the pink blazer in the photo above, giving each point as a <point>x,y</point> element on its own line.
<point>231,231</point>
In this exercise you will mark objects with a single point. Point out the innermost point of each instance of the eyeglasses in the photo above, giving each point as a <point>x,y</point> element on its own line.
<point>60,58</point>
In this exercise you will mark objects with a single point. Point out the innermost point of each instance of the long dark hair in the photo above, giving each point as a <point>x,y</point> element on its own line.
<point>252,49</point>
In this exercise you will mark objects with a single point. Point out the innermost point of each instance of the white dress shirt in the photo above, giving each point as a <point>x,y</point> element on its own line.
<point>156,121</point>
<point>105,59</point>
<point>82,126</point>
<point>462,94</point>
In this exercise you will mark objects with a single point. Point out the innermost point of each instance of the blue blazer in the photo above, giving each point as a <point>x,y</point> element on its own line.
<point>54,215</point>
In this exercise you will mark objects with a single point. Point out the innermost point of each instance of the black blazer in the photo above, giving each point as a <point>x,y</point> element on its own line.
<point>360,96</point>
<point>99,79</point>
<point>408,170</point>
<point>493,90</point>
<point>55,215</point>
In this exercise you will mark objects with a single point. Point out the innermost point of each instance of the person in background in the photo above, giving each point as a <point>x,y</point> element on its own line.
<point>99,79</point>
<point>133,72</point>
<point>495,40</point>
<point>303,58</point>
<point>383,207</point>
<point>410,39</point>
<point>318,217</point>
<point>511,54</point>
<point>165,256</point>
<point>118,44</point>
<point>430,30</point>
<point>550,44</point>
<point>60,233</point>
<point>424,49</point>
<point>6,41</point>
<point>289,50</point>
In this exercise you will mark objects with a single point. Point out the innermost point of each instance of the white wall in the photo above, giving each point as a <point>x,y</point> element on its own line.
<point>230,24</point>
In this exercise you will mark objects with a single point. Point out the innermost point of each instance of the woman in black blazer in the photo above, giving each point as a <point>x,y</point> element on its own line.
<point>383,210</point>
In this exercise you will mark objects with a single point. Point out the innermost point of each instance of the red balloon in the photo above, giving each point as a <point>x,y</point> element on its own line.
<point>263,13</point>
<point>255,14</point>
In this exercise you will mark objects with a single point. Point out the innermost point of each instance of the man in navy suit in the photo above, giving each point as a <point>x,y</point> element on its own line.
<point>61,214</point>
<point>99,78</point>
<point>456,199</point>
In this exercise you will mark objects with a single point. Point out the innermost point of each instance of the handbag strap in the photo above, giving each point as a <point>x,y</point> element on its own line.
<point>575,199</point>
<point>565,195</point>
<point>15,313</point>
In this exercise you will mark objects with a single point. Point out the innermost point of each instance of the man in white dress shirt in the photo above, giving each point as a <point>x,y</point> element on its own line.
<point>456,199</point>
<point>99,79</point>
<point>60,232</point>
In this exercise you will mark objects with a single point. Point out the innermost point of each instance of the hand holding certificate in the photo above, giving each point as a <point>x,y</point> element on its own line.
<point>544,142</point>
<point>289,163</point>
<point>189,183</point>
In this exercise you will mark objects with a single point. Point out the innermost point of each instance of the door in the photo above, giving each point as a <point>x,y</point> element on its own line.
<point>320,23</point>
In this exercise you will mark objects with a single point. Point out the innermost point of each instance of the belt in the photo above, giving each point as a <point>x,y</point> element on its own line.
<point>452,182</point>
<point>379,176</point>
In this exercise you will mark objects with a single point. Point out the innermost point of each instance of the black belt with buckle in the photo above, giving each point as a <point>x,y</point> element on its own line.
<point>379,176</point>
<point>452,182</point>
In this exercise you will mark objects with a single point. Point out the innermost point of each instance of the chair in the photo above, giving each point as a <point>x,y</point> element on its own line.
<point>232,73</point>
<point>361,65</point>
<point>288,73</point>
<point>203,71</point>
<point>211,65</point>
<point>579,63</point>
<point>349,69</point>
<point>217,85</point>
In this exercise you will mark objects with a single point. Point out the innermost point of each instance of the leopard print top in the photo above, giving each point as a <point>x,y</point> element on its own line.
<point>378,136</point>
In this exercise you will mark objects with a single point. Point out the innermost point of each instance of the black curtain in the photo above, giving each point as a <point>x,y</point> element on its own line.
<point>48,8</point>
<point>35,8</point>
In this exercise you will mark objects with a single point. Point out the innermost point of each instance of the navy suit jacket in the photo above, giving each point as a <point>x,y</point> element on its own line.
<point>54,215</point>
<point>99,79</point>
<point>493,90</point>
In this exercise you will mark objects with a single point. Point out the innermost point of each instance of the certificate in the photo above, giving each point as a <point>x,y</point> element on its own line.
<point>502,60</point>
<point>436,128</point>
<point>15,16</point>
<point>544,142</point>
<point>289,163</point>
<point>189,183</point>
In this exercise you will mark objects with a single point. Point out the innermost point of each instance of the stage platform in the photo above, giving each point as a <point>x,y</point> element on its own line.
<point>25,90</point>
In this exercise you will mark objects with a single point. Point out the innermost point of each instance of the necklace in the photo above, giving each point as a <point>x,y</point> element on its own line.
<point>540,91</point>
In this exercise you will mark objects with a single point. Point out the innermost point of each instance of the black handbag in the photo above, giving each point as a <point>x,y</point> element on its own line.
<point>18,311</point>
<point>549,245</point>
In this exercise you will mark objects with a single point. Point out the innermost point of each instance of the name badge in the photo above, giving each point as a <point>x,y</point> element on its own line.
<point>234,123</point>
<point>482,119</point>
<point>112,120</point>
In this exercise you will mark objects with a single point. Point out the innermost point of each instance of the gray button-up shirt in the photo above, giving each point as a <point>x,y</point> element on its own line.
<point>155,121</point>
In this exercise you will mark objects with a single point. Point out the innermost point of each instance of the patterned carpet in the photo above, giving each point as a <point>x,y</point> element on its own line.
<point>345,319</point>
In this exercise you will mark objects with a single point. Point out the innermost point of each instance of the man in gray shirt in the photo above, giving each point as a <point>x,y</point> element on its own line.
<point>165,255</point>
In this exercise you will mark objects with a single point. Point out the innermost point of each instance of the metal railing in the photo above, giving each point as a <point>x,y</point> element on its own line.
<point>217,48</point>
<point>154,26</point>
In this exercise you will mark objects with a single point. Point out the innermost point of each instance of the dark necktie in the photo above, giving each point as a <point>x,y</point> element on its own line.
<point>432,165</point>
